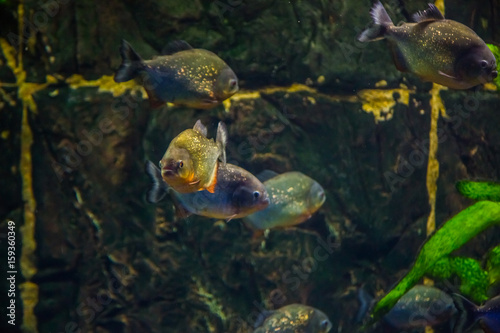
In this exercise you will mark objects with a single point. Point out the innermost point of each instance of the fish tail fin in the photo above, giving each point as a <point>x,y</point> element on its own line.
<point>221,140</point>
<point>467,313</point>
<point>132,63</point>
<point>381,21</point>
<point>159,188</point>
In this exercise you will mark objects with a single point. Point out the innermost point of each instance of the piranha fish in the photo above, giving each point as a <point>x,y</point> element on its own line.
<point>190,162</point>
<point>434,48</point>
<point>293,318</point>
<point>421,306</point>
<point>194,78</point>
<point>294,197</point>
<point>487,315</point>
<point>237,194</point>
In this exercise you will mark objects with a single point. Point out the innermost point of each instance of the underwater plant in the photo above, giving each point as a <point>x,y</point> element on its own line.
<point>473,279</point>
<point>493,266</point>
<point>451,236</point>
<point>479,190</point>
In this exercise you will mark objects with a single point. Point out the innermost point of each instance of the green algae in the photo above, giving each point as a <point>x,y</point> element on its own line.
<point>479,190</point>
<point>493,266</point>
<point>473,279</point>
<point>452,235</point>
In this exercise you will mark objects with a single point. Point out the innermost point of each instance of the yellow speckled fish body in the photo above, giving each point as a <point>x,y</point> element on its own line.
<point>295,318</point>
<point>293,196</point>
<point>436,49</point>
<point>191,160</point>
<point>189,77</point>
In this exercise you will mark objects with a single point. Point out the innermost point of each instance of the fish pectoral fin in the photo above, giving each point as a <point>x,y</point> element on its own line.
<point>230,218</point>
<point>448,76</point>
<point>209,101</point>
<point>193,183</point>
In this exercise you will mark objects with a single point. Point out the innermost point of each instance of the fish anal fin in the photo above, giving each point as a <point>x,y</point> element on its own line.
<point>430,14</point>
<point>154,101</point>
<point>398,58</point>
<point>180,210</point>
<point>257,234</point>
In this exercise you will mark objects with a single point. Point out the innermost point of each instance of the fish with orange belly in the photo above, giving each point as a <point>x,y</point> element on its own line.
<point>237,194</point>
<point>191,160</point>
<point>434,48</point>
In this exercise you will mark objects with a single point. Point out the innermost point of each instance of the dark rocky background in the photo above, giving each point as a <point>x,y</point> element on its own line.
<point>109,262</point>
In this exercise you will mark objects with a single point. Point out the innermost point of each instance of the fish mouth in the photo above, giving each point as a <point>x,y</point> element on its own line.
<point>167,172</point>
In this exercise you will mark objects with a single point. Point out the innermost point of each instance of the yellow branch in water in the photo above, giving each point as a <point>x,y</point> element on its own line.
<point>294,88</point>
<point>381,102</point>
<point>440,5</point>
<point>106,83</point>
<point>28,290</point>
<point>437,108</point>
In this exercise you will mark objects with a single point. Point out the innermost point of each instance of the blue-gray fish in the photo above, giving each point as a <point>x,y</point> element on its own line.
<point>434,48</point>
<point>294,318</point>
<point>185,76</point>
<point>293,196</point>
<point>421,306</point>
<point>237,194</point>
<point>487,315</point>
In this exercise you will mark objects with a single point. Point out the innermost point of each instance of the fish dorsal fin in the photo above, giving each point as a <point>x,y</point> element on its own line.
<point>221,140</point>
<point>262,317</point>
<point>266,175</point>
<point>200,128</point>
<point>430,14</point>
<point>176,46</point>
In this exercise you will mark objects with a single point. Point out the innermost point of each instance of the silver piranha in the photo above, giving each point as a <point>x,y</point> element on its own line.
<point>434,48</point>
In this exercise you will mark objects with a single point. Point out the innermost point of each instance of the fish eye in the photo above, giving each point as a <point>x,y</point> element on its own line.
<point>180,164</point>
<point>256,194</point>
<point>324,324</point>
<point>484,63</point>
